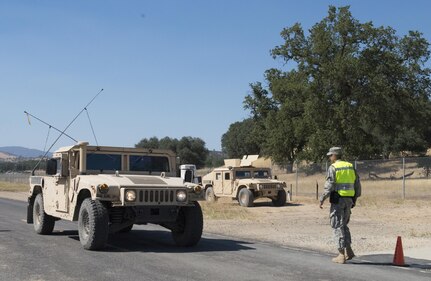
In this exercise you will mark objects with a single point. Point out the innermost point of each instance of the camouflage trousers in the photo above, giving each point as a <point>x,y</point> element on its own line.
<point>339,218</point>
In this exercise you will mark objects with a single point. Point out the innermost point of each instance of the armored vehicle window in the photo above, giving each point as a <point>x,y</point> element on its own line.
<point>263,174</point>
<point>218,176</point>
<point>141,163</point>
<point>243,174</point>
<point>110,162</point>
<point>227,176</point>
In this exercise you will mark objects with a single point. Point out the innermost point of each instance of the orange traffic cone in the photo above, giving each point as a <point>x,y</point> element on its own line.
<point>399,253</point>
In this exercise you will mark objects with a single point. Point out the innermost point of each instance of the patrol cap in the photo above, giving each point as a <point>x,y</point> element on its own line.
<point>334,150</point>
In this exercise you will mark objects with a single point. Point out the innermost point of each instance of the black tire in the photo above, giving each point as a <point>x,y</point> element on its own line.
<point>209,195</point>
<point>42,222</point>
<point>281,199</point>
<point>245,197</point>
<point>127,229</point>
<point>189,226</point>
<point>93,224</point>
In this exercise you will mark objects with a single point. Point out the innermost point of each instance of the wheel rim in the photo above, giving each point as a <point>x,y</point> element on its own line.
<point>243,198</point>
<point>85,223</point>
<point>37,214</point>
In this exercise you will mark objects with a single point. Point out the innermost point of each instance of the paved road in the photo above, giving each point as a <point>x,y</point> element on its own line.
<point>148,253</point>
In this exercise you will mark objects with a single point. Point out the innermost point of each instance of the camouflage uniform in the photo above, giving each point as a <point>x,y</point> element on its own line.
<point>340,209</point>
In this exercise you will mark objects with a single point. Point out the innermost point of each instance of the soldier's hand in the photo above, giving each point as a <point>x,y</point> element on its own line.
<point>321,205</point>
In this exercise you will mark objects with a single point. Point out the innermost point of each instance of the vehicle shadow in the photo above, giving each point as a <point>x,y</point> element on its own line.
<point>386,260</point>
<point>159,241</point>
<point>269,204</point>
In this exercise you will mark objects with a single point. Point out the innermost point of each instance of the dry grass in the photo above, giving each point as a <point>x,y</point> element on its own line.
<point>225,210</point>
<point>16,187</point>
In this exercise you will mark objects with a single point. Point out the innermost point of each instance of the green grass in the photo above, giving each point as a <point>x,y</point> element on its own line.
<point>16,187</point>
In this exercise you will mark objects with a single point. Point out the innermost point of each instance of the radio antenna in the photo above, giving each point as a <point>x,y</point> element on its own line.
<point>63,132</point>
<point>49,125</point>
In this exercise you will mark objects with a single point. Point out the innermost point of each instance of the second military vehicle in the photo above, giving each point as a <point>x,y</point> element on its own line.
<point>109,189</point>
<point>240,180</point>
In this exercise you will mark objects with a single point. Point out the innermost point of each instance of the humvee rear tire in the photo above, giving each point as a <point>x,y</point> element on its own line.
<point>189,226</point>
<point>93,224</point>
<point>42,222</point>
<point>209,195</point>
<point>245,197</point>
<point>281,199</point>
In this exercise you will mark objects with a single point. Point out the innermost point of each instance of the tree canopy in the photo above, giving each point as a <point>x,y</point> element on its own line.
<point>190,150</point>
<point>343,83</point>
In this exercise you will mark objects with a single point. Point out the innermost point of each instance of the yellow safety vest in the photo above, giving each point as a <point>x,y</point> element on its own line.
<point>345,178</point>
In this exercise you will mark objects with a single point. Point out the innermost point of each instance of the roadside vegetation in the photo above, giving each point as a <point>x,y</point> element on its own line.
<point>16,187</point>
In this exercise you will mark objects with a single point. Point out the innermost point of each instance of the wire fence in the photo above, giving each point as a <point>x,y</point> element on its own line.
<point>15,177</point>
<point>405,178</point>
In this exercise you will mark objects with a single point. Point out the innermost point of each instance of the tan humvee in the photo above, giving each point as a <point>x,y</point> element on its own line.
<point>108,189</point>
<point>240,180</point>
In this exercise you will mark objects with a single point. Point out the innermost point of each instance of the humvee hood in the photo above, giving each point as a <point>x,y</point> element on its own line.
<point>131,180</point>
<point>259,181</point>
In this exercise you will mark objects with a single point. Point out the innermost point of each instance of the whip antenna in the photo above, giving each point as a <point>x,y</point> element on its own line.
<point>65,129</point>
<point>46,123</point>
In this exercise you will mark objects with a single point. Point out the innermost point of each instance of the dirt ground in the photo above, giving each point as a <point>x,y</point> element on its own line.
<point>374,224</point>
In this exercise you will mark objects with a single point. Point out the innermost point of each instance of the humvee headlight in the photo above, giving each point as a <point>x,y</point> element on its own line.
<point>260,186</point>
<point>278,185</point>
<point>103,188</point>
<point>130,195</point>
<point>181,196</point>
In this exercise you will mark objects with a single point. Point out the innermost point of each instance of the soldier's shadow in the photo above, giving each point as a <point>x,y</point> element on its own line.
<point>159,241</point>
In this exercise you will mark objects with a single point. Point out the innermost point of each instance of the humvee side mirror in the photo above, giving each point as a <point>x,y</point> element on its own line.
<point>51,167</point>
<point>275,177</point>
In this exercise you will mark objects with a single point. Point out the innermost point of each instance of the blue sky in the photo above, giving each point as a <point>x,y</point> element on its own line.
<point>168,68</point>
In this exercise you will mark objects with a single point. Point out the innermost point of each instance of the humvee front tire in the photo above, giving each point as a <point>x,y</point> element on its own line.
<point>42,222</point>
<point>209,195</point>
<point>188,230</point>
<point>245,197</point>
<point>281,199</point>
<point>93,224</point>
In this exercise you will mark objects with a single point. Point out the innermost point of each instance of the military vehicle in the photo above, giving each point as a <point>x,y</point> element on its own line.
<point>240,180</point>
<point>109,189</point>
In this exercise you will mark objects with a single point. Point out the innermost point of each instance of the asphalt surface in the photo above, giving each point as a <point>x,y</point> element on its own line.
<point>148,253</point>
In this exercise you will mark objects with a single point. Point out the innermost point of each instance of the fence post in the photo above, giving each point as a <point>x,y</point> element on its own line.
<point>317,190</point>
<point>404,178</point>
<point>291,195</point>
<point>296,177</point>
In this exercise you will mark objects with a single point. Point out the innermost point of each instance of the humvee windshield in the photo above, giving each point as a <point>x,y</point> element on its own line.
<point>141,163</point>
<point>137,163</point>
<point>262,174</point>
<point>109,162</point>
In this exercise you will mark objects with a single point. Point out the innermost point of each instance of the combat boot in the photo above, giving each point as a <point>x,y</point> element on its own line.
<point>349,253</point>
<point>341,258</point>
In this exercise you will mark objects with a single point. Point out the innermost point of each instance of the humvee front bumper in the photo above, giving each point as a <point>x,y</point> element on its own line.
<point>179,196</point>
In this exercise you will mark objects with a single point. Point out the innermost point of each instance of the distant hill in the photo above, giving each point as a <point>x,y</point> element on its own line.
<point>20,151</point>
<point>6,156</point>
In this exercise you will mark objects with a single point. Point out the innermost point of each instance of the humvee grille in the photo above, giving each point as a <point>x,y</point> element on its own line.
<point>268,186</point>
<point>156,196</point>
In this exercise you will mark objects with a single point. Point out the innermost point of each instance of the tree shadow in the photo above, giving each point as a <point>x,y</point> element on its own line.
<point>386,260</point>
<point>159,241</point>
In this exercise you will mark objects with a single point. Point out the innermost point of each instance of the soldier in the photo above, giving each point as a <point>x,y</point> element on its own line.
<point>343,187</point>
